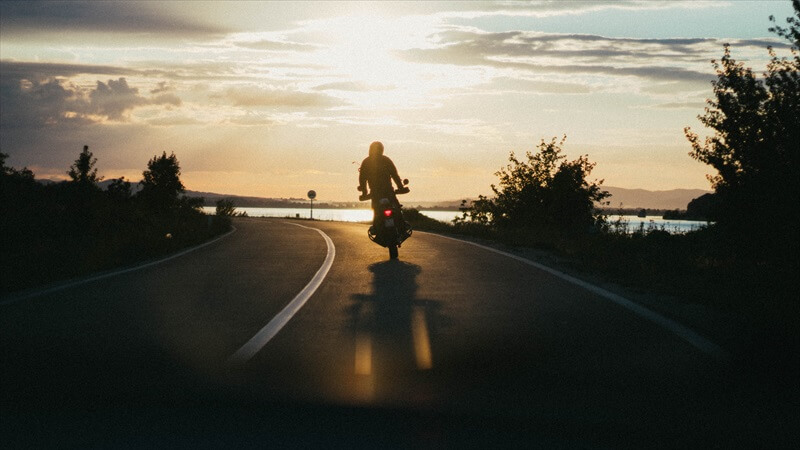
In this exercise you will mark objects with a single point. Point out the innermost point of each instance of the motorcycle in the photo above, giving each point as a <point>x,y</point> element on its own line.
<point>388,229</point>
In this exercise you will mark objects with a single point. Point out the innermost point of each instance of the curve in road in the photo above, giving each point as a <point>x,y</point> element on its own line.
<point>269,331</point>
<point>685,333</point>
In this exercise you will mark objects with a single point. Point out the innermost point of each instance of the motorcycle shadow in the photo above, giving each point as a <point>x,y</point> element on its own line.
<point>394,330</point>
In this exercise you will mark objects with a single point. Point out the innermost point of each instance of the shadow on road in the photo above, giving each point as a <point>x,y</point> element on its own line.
<point>394,331</point>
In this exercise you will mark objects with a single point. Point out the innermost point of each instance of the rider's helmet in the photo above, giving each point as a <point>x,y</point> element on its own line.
<point>375,149</point>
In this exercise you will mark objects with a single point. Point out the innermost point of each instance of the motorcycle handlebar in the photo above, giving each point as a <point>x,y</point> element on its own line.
<point>368,196</point>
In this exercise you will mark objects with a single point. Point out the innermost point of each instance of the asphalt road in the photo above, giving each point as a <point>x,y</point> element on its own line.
<point>452,345</point>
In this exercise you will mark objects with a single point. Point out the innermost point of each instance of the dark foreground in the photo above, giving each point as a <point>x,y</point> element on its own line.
<point>451,346</point>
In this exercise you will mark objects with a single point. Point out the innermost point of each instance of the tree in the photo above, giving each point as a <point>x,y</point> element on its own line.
<point>12,173</point>
<point>225,208</point>
<point>545,192</point>
<point>161,184</point>
<point>119,189</point>
<point>754,147</point>
<point>83,172</point>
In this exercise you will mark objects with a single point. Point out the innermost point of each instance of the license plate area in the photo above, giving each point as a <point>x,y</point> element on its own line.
<point>389,222</point>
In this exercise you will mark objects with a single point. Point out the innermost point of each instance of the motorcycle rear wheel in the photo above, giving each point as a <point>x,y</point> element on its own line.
<point>393,252</point>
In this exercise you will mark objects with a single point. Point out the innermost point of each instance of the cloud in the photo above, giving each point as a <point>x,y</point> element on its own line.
<point>517,85</point>
<point>354,86</point>
<point>697,105</point>
<point>169,121</point>
<point>256,96</point>
<point>41,98</point>
<point>93,16</point>
<point>41,71</point>
<point>33,103</point>
<point>277,46</point>
<point>251,119</point>
<point>652,59</point>
<point>162,87</point>
<point>560,8</point>
<point>114,98</point>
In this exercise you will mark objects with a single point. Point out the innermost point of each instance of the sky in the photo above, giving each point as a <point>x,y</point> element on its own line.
<point>272,99</point>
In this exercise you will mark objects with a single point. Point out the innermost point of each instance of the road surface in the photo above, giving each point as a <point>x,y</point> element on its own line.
<point>451,345</point>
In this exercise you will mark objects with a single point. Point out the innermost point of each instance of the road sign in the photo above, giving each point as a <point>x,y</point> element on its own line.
<point>312,195</point>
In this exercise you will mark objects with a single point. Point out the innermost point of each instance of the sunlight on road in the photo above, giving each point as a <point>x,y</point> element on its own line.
<point>422,344</point>
<point>363,354</point>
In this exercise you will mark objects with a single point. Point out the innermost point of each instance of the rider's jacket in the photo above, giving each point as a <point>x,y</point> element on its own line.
<point>377,171</point>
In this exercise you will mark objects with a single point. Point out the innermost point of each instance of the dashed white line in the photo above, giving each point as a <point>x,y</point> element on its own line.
<point>257,342</point>
<point>676,328</point>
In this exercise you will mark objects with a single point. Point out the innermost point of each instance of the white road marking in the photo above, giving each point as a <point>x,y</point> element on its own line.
<point>69,284</point>
<point>676,328</point>
<point>257,342</point>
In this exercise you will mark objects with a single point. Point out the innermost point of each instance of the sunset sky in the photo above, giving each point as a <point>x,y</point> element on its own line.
<point>274,99</point>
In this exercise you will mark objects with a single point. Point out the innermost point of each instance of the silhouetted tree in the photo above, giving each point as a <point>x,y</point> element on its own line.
<point>62,230</point>
<point>10,172</point>
<point>161,184</point>
<point>119,189</point>
<point>83,171</point>
<point>543,192</point>
<point>703,207</point>
<point>755,147</point>
<point>225,208</point>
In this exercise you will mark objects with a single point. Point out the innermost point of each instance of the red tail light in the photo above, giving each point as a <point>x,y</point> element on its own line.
<point>387,212</point>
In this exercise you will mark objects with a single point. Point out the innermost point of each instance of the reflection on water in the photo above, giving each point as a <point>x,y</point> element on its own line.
<point>340,215</point>
<point>632,223</point>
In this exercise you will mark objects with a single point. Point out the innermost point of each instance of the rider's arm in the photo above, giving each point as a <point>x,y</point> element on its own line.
<point>362,178</point>
<point>393,173</point>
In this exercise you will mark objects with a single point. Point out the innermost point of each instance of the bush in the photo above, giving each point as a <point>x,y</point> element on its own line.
<point>64,230</point>
<point>543,194</point>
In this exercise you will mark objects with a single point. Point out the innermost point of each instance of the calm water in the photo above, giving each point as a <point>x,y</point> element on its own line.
<point>365,215</point>
<point>635,223</point>
<point>341,215</point>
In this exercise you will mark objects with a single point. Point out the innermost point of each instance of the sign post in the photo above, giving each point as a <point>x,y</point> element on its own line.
<point>312,195</point>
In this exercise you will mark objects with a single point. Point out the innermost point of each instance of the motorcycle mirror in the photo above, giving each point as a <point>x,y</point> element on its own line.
<point>405,182</point>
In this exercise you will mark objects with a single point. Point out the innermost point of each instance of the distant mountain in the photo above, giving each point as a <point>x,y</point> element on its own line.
<point>135,186</point>
<point>628,198</point>
<point>640,198</point>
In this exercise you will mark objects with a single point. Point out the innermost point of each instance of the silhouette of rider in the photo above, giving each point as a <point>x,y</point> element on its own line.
<point>378,171</point>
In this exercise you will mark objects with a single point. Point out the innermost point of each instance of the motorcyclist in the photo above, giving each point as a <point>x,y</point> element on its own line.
<point>377,172</point>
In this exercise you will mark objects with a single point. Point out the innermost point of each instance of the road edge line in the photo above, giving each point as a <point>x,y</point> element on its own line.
<point>257,342</point>
<point>678,329</point>
<point>68,284</point>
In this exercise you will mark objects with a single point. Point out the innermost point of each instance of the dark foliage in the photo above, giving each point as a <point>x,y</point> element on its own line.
<point>161,183</point>
<point>63,230</point>
<point>222,217</point>
<point>741,263</point>
<point>543,194</point>
<point>754,149</point>
<point>83,172</point>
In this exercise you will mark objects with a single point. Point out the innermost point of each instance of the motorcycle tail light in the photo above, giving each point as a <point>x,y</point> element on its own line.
<point>387,212</point>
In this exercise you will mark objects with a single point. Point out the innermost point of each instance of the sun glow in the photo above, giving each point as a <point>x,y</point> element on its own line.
<point>363,49</point>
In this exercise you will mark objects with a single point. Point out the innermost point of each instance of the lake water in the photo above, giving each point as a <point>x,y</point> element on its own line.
<point>633,223</point>
<point>341,215</point>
